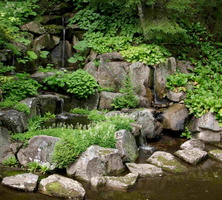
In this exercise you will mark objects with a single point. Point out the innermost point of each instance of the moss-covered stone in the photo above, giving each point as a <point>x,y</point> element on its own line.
<point>216,154</point>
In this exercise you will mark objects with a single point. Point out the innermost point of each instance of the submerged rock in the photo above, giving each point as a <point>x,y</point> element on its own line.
<point>40,149</point>
<point>216,154</point>
<point>96,161</point>
<point>59,186</point>
<point>126,144</point>
<point>144,170</point>
<point>121,182</point>
<point>192,156</point>
<point>193,144</point>
<point>26,182</point>
<point>166,161</point>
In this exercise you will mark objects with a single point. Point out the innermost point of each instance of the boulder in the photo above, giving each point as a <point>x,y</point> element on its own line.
<point>161,72</point>
<point>185,66</point>
<point>14,120</point>
<point>91,68</point>
<point>151,128</point>
<point>176,96</point>
<point>126,144</point>
<point>207,121</point>
<point>33,27</point>
<point>113,56</point>
<point>208,136</point>
<point>54,29</point>
<point>144,170</point>
<point>50,19</point>
<point>95,162</point>
<point>144,102</point>
<point>112,74</point>
<point>106,99</point>
<point>46,41</point>
<point>40,76</point>
<point>40,149</point>
<point>97,182</point>
<point>216,154</point>
<point>62,187</point>
<point>141,77</point>
<point>50,103</point>
<point>32,103</point>
<point>166,161</point>
<point>174,117</point>
<point>90,103</point>
<point>5,150</point>
<point>122,183</point>
<point>193,144</point>
<point>26,182</point>
<point>192,156</point>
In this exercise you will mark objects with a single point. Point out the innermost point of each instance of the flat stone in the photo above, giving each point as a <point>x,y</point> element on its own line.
<point>192,156</point>
<point>59,186</point>
<point>208,136</point>
<point>144,170</point>
<point>193,143</point>
<point>122,182</point>
<point>166,161</point>
<point>216,154</point>
<point>26,182</point>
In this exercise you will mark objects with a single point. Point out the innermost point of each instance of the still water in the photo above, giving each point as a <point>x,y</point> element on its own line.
<point>199,183</point>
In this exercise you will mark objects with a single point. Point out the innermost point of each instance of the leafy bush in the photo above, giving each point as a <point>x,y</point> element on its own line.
<point>80,82</point>
<point>80,111</point>
<point>128,99</point>
<point>95,116</point>
<point>147,54</point>
<point>36,167</point>
<point>15,105</point>
<point>10,161</point>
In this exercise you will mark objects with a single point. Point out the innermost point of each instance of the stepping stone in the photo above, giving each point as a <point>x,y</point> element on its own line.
<point>192,156</point>
<point>166,161</point>
<point>60,186</point>
<point>122,182</point>
<point>193,143</point>
<point>26,182</point>
<point>144,170</point>
<point>216,154</point>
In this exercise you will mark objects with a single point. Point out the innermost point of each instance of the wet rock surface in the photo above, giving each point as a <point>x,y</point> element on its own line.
<point>193,143</point>
<point>144,170</point>
<point>192,156</point>
<point>59,186</point>
<point>26,182</point>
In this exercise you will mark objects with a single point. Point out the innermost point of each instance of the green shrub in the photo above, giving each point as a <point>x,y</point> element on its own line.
<point>147,54</point>
<point>80,111</point>
<point>128,99</point>
<point>95,116</point>
<point>10,161</point>
<point>36,167</point>
<point>22,107</point>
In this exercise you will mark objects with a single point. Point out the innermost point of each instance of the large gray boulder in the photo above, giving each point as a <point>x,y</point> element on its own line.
<point>126,144</point>
<point>192,156</point>
<point>95,162</point>
<point>144,170</point>
<point>106,99</point>
<point>113,56</point>
<point>40,149</point>
<point>14,120</point>
<point>174,117</point>
<point>26,182</point>
<point>176,96</point>
<point>208,136</point>
<point>166,161</point>
<point>59,186</point>
<point>161,72</point>
<point>141,77</point>
<point>5,150</point>
<point>151,128</point>
<point>33,105</point>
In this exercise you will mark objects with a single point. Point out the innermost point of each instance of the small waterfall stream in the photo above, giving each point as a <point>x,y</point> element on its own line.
<point>63,42</point>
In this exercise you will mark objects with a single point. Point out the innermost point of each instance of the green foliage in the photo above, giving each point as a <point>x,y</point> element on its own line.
<point>108,89</point>
<point>44,54</point>
<point>10,161</point>
<point>4,69</point>
<point>121,122</point>
<point>80,82</point>
<point>96,116</point>
<point>22,107</point>
<point>80,111</point>
<point>36,167</point>
<point>20,87</point>
<point>147,54</point>
<point>128,99</point>
<point>186,134</point>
